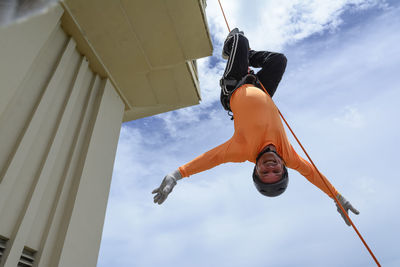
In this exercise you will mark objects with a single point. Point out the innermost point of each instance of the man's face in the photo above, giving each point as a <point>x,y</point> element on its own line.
<point>269,167</point>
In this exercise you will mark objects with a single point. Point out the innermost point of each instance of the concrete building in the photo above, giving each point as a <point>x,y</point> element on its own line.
<point>69,78</point>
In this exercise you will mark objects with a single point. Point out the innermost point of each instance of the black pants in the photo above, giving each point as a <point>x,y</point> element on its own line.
<point>272,64</point>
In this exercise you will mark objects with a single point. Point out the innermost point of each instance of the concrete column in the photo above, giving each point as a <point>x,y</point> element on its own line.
<point>59,128</point>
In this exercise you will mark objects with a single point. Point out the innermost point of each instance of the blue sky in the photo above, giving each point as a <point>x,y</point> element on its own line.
<point>340,94</point>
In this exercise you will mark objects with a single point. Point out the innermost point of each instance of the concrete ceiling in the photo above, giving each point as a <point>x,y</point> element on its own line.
<point>147,48</point>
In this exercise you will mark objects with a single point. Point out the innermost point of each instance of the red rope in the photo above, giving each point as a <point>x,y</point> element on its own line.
<point>223,13</point>
<point>311,161</point>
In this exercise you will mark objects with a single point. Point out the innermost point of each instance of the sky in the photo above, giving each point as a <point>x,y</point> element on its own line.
<point>340,94</point>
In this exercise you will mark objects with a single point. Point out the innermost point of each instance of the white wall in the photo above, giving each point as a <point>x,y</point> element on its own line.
<point>59,128</point>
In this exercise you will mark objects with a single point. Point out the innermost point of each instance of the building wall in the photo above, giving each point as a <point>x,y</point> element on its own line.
<point>59,128</point>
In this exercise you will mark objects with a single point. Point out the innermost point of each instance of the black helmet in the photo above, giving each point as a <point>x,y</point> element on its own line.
<point>272,189</point>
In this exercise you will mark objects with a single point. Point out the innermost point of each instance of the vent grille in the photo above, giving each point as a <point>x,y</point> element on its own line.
<point>3,243</point>
<point>27,258</point>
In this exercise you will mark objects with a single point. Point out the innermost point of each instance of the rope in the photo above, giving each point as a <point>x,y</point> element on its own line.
<point>223,13</point>
<point>311,161</point>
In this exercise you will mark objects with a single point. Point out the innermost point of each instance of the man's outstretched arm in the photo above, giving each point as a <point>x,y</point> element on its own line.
<point>308,171</point>
<point>208,160</point>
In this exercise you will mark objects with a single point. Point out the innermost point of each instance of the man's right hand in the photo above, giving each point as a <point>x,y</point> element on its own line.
<point>166,186</point>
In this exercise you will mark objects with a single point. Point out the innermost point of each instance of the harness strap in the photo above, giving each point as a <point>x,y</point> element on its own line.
<point>226,93</point>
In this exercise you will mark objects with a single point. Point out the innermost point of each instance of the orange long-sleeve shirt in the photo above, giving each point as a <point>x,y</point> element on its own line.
<point>257,124</point>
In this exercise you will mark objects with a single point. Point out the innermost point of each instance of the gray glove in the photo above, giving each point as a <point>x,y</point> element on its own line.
<point>346,206</point>
<point>166,186</point>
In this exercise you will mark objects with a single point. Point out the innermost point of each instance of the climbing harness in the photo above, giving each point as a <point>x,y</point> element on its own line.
<point>229,86</point>
<point>309,158</point>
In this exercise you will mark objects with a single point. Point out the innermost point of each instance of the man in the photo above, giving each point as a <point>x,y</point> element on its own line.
<point>259,134</point>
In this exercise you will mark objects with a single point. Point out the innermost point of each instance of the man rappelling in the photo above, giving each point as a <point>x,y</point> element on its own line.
<point>259,135</point>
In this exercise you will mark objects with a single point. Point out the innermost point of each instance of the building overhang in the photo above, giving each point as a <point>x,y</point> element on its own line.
<point>147,48</point>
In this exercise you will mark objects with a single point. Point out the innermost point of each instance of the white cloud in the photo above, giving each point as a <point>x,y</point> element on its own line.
<point>350,117</point>
<point>340,94</point>
<point>274,24</point>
